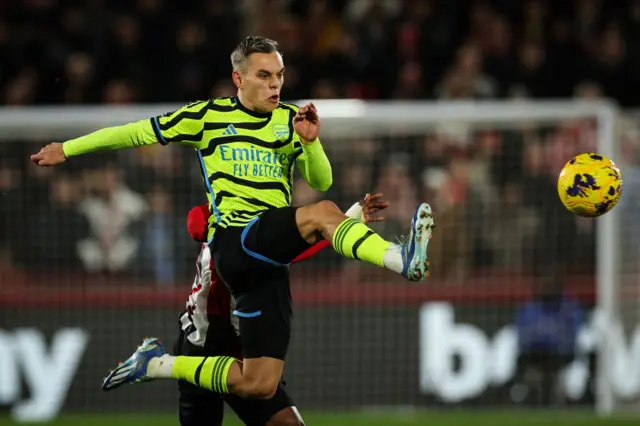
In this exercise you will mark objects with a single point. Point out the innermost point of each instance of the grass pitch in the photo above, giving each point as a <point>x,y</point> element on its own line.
<point>369,418</point>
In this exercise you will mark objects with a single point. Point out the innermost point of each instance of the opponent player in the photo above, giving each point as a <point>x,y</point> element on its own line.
<point>247,147</point>
<point>208,328</point>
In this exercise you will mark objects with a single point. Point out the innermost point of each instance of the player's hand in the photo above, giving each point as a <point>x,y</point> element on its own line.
<point>50,155</point>
<point>307,123</point>
<point>371,205</point>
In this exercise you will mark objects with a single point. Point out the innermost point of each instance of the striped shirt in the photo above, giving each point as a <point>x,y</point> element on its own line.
<point>247,158</point>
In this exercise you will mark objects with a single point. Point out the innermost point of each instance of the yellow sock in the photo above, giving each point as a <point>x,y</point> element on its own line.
<point>206,372</point>
<point>355,240</point>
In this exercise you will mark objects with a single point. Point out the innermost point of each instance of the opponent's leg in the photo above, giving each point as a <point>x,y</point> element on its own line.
<point>280,410</point>
<point>356,240</point>
<point>197,406</point>
<point>286,417</point>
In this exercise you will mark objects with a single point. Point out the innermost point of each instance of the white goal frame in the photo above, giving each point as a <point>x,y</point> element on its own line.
<point>354,117</point>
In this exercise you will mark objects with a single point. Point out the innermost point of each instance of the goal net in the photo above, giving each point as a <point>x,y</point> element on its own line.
<point>525,305</point>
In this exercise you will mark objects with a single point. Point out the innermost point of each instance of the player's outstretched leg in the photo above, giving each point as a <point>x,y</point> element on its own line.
<point>151,361</point>
<point>356,240</point>
<point>220,374</point>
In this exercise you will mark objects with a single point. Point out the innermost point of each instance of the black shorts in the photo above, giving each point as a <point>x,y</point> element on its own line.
<point>253,261</point>
<point>198,407</point>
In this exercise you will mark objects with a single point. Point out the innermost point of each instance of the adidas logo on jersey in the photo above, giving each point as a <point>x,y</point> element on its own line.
<point>231,130</point>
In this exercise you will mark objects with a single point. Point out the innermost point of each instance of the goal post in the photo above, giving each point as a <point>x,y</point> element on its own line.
<point>349,119</point>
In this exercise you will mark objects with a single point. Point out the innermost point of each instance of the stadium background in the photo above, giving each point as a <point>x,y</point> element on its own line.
<point>95,255</point>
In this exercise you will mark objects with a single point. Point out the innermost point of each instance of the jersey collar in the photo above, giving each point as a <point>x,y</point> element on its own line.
<point>246,110</point>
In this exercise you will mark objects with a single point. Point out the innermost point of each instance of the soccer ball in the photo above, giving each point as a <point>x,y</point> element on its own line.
<point>590,185</point>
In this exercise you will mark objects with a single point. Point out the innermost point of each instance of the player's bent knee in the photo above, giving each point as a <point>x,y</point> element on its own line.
<point>327,207</point>
<point>266,391</point>
<point>257,389</point>
<point>261,378</point>
<point>322,212</point>
<point>314,218</point>
<point>263,390</point>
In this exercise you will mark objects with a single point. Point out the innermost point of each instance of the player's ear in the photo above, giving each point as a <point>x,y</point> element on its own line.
<point>237,78</point>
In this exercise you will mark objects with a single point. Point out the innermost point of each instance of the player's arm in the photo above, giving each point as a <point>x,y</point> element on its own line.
<point>362,211</point>
<point>315,167</point>
<point>183,126</point>
<point>313,162</point>
<point>130,135</point>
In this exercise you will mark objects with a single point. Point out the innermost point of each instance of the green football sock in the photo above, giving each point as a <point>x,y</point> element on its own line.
<point>206,372</point>
<point>355,240</point>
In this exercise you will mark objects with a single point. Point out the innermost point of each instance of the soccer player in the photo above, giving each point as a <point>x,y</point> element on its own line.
<point>208,328</point>
<point>247,147</point>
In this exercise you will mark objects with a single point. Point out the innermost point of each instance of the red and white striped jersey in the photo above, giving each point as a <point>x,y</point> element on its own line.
<point>209,299</point>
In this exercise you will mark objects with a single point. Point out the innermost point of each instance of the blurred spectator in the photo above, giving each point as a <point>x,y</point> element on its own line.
<point>37,184</point>
<point>191,59</point>
<point>585,21</point>
<point>510,229</point>
<point>588,91</point>
<point>547,328</point>
<point>355,181</point>
<point>410,82</point>
<point>325,89</point>
<point>535,14</point>
<point>366,150</point>
<point>532,71</point>
<point>114,214</point>
<point>4,48</point>
<point>80,72</point>
<point>540,195</point>
<point>118,92</point>
<point>158,248</point>
<point>610,66</point>
<point>324,27</point>
<point>125,45</point>
<point>465,79</point>
<point>21,90</point>
<point>10,210</point>
<point>54,235</point>
<point>303,194</point>
<point>399,190</point>
<point>450,257</point>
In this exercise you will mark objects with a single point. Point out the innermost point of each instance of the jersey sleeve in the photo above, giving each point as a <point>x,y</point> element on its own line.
<point>111,138</point>
<point>313,162</point>
<point>315,166</point>
<point>184,126</point>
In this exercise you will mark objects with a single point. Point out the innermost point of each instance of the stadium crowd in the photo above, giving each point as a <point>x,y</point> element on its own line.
<point>493,191</point>
<point>80,52</point>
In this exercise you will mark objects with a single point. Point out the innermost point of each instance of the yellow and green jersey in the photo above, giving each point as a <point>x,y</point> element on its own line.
<point>247,158</point>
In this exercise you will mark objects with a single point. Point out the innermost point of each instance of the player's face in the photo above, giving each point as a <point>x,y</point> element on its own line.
<point>262,82</point>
